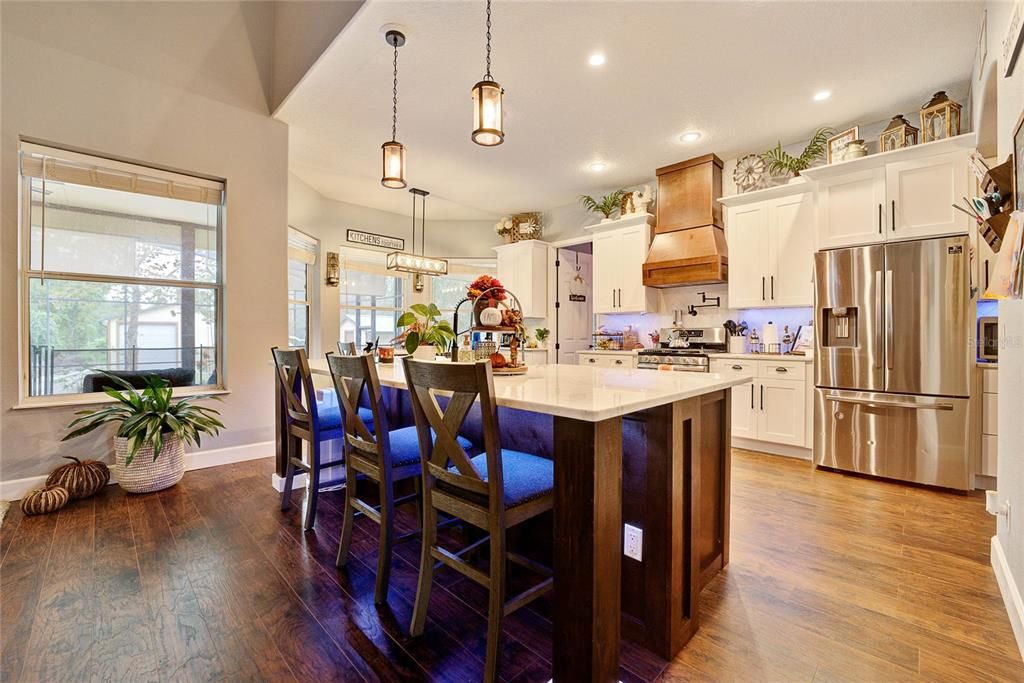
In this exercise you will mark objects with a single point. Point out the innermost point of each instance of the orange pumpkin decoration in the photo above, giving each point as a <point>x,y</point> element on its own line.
<point>81,478</point>
<point>46,499</point>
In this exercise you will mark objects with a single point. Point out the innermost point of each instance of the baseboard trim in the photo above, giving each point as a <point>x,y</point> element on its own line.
<point>277,481</point>
<point>1011,595</point>
<point>15,489</point>
<point>771,448</point>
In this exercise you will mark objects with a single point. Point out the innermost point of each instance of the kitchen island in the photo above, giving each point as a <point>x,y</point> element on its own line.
<point>641,447</point>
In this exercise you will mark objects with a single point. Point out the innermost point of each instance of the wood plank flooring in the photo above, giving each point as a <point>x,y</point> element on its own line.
<point>832,578</point>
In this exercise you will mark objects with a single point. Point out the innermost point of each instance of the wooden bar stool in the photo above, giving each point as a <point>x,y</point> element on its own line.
<point>379,454</point>
<point>492,491</point>
<point>347,348</point>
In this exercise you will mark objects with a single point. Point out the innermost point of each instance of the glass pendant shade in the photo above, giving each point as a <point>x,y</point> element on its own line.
<point>487,126</point>
<point>393,175</point>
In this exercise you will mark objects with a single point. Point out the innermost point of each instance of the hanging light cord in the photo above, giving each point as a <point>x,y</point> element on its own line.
<point>487,76</point>
<point>394,98</point>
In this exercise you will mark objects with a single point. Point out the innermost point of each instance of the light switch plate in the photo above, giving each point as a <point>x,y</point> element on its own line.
<point>633,543</point>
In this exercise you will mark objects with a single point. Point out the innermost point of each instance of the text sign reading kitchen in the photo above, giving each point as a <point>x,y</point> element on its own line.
<point>373,240</point>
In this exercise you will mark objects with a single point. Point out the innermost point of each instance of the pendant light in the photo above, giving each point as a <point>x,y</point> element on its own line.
<point>487,126</point>
<point>393,153</point>
<point>418,264</point>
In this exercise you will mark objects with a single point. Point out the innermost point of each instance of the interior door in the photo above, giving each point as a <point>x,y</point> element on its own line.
<point>921,194</point>
<point>927,321</point>
<point>749,244</point>
<point>851,209</point>
<point>792,233</point>
<point>781,411</point>
<point>575,316</point>
<point>606,280</point>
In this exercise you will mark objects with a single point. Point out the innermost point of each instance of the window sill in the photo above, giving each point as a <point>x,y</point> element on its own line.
<point>101,399</point>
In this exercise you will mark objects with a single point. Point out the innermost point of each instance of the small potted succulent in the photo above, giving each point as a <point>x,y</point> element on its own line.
<point>426,334</point>
<point>152,430</point>
<point>542,336</point>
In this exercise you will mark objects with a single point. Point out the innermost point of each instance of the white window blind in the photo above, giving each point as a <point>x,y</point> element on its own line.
<point>302,247</point>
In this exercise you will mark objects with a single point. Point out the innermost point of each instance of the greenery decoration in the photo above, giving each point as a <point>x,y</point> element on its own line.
<point>607,205</point>
<point>781,162</point>
<point>147,417</point>
<point>542,334</point>
<point>424,326</point>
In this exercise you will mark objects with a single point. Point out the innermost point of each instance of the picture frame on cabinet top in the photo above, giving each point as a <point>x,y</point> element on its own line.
<point>836,144</point>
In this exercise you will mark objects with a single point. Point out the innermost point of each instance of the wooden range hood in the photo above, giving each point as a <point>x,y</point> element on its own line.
<point>689,241</point>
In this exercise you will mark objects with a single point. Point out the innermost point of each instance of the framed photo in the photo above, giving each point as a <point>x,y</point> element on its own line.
<point>1018,164</point>
<point>838,142</point>
<point>1013,43</point>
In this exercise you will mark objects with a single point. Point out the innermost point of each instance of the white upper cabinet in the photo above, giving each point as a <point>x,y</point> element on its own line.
<point>771,248</point>
<point>523,270</point>
<point>899,195</point>
<point>619,256</point>
<point>851,209</point>
<point>921,195</point>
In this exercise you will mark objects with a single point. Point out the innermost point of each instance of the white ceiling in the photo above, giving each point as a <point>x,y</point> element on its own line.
<point>743,73</point>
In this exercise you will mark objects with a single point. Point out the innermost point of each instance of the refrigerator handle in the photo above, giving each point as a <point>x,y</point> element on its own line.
<point>878,315</point>
<point>890,349</point>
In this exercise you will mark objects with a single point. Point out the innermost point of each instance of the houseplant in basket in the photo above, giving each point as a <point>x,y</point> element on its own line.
<point>152,430</point>
<point>426,334</point>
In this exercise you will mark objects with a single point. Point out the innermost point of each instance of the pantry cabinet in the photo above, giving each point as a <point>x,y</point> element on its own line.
<point>523,270</point>
<point>771,249</point>
<point>899,195</point>
<point>619,255</point>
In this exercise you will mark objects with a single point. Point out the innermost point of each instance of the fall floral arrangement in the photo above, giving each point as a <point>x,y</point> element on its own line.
<point>495,292</point>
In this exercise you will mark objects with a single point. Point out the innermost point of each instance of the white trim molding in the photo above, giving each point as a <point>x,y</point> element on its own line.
<point>15,489</point>
<point>1011,594</point>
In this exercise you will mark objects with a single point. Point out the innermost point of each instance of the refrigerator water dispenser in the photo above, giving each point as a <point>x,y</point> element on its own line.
<point>840,327</point>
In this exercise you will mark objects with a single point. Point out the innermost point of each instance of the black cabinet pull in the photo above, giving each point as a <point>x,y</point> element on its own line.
<point>894,215</point>
<point>879,219</point>
<point>762,397</point>
<point>740,367</point>
<point>751,395</point>
<point>591,360</point>
<point>986,275</point>
<point>762,288</point>
<point>618,362</point>
<point>773,288</point>
<point>781,370</point>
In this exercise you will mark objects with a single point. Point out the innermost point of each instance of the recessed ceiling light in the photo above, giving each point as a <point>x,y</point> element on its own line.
<point>598,166</point>
<point>822,95</point>
<point>596,59</point>
<point>690,136</point>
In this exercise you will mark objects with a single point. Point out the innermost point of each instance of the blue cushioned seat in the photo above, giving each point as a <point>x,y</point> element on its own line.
<point>329,415</point>
<point>526,477</point>
<point>405,446</point>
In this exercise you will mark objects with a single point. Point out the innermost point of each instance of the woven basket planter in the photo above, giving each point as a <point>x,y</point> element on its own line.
<point>144,475</point>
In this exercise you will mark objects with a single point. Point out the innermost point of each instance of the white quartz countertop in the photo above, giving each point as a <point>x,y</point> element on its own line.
<point>582,392</point>
<point>763,356</point>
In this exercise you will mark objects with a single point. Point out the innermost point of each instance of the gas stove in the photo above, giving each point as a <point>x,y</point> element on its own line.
<point>684,349</point>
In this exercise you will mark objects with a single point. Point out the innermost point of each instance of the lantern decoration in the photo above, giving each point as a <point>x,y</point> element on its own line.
<point>333,275</point>
<point>393,152</point>
<point>940,118</point>
<point>487,110</point>
<point>897,135</point>
<point>81,478</point>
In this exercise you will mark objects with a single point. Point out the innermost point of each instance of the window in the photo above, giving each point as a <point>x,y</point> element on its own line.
<point>302,253</point>
<point>447,292</point>
<point>121,272</point>
<point>372,300</point>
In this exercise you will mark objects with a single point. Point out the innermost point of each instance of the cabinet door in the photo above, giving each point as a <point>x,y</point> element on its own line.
<point>851,209</point>
<point>744,397</point>
<point>631,295</point>
<point>606,277</point>
<point>781,411</point>
<point>747,236</point>
<point>791,231</point>
<point>921,194</point>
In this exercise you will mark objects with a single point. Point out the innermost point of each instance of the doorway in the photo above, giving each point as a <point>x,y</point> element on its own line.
<point>574,305</point>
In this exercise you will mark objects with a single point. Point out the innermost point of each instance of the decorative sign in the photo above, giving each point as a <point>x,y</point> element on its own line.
<point>1014,40</point>
<point>374,240</point>
<point>578,297</point>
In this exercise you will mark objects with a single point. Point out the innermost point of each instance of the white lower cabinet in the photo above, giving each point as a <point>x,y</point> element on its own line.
<point>989,422</point>
<point>773,408</point>
<point>607,360</point>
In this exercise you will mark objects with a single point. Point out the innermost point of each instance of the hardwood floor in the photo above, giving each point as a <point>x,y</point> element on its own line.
<point>831,578</point>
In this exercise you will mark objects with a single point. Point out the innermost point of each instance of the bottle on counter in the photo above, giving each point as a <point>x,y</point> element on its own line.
<point>466,351</point>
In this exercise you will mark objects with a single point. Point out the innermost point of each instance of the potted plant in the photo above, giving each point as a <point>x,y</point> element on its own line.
<point>781,162</point>
<point>425,332</point>
<point>542,336</point>
<point>152,430</point>
<point>606,205</point>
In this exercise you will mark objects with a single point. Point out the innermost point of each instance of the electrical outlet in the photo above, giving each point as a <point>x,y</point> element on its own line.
<point>633,545</point>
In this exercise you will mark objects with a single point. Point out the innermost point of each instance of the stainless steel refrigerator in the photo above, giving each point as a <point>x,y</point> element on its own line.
<point>893,360</point>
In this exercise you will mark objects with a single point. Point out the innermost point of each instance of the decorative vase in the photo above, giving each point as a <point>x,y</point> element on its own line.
<point>490,317</point>
<point>145,475</point>
<point>855,150</point>
<point>424,352</point>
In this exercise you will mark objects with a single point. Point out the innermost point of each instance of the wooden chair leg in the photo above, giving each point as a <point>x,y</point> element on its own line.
<point>419,611</point>
<point>387,524</point>
<point>314,485</point>
<point>289,474</point>
<point>348,517</point>
<point>496,605</point>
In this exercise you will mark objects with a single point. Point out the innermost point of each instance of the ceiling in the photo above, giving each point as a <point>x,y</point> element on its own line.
<point>742,73</point>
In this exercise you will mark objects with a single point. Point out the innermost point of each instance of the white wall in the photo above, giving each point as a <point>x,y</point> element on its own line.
<point>179,85</point>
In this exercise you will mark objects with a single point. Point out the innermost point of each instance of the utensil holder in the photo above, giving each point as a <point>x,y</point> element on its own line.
<point>737,344</point>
